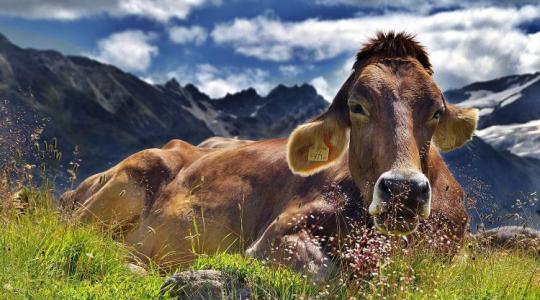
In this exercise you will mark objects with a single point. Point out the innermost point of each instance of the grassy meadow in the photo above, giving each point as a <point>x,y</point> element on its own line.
<point>45,255</point>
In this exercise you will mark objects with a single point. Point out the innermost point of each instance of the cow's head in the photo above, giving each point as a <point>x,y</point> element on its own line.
<point>387,114</point>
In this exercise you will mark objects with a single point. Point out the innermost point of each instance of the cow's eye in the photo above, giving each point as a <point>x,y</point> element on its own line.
<point>357,109</point>
<point>437,115</point>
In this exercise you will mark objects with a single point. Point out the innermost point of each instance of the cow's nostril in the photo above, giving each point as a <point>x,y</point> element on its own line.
<point>384,185</point>
<point>393,187</point>
<point>424,188</point>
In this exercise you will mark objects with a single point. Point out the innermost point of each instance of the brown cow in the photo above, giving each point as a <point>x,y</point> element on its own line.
<point>371,158</point>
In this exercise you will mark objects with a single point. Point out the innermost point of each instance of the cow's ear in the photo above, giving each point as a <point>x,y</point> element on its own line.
<point>456,127</point>
<point>316,145</point>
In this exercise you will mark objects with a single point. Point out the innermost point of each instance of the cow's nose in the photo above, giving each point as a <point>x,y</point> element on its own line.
<point>406,192</point>
<point>409,190</point>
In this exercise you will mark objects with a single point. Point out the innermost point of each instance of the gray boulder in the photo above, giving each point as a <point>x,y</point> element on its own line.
<point>511,237</point>
<point>203,284</point>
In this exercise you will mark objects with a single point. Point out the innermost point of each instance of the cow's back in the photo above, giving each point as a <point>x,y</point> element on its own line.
<point>244,187</point>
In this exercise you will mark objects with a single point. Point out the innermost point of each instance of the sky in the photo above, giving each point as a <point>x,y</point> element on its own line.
<point>227,46</point>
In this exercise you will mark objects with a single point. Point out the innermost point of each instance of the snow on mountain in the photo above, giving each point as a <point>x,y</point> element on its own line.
<point>509,112</point>
<point>487,101</point>
<point>520,139</point>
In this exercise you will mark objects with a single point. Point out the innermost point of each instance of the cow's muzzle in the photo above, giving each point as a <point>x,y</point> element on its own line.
<point>401,198</point>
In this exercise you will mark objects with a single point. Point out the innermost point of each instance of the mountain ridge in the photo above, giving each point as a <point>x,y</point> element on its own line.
<point>109,113</point>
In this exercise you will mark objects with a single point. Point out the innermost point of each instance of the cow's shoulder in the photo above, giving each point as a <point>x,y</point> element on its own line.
<point>171,157</point>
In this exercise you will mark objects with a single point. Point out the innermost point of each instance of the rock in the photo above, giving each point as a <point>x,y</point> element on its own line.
<point>203,284</point>
<point>135,269</point>
<point>511,237</point>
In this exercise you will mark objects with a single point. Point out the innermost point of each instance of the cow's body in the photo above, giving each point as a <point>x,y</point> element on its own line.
<point>371,159</point>
<point>240,196</point>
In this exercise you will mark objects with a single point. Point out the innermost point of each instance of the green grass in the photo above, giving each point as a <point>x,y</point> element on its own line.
<point>489,275</point>
<point>44,256</point>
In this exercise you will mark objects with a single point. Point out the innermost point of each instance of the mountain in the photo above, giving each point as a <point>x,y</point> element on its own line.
<point>502,188</point>
<point>501,167</point>
<point>107,114</point>
<point>509,111</point>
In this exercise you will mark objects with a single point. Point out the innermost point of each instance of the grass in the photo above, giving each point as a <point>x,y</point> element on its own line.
<point>491,275</point>
<point>45,256</point>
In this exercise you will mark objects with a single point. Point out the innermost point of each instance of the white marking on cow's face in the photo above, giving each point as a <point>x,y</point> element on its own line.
<point>401,198</point>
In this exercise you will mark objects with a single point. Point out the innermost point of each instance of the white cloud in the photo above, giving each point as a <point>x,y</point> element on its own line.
<point>465,45</point>
<point>271,39</point>
<point>130,50</point>
<point>416,4</point>
<point>160,10</point>
<point>422,5</point>
<point>290,70</point>
<point>294,70</point>
<point>217,82</point>
<point>183,35</point>
<point>329,84</point>
<point>321,85</point>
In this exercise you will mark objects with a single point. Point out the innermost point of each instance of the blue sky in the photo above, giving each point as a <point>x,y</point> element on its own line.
<point>226,46</point>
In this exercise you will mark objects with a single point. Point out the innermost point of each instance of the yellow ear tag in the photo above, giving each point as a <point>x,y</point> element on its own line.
<point>318,153</point>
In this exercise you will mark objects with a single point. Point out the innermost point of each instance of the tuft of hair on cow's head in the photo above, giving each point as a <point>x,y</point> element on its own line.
<point>387,114</point>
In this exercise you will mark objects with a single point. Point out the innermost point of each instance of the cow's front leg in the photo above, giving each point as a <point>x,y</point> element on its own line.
<point>300,250</point>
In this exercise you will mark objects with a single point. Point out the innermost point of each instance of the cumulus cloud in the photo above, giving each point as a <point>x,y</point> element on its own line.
<point>422,5</point>
<point>184,35</point>
<point>271,39</point>
<point>291,70</point>
<point>218,82</point>
<point>328,84</point>
<point>131,50</point>
<point>160,10</point>
<point>322,87</point>
<point>465,45</point>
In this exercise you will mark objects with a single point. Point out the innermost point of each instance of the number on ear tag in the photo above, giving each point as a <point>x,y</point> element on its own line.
<point>318,153</point>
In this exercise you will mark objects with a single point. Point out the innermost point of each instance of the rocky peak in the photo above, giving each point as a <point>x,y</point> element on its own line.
<point>196,93</point>
<point>249,95</point>
<point>304,91</point>
<point>4,42</point>
<point>173,85</point>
